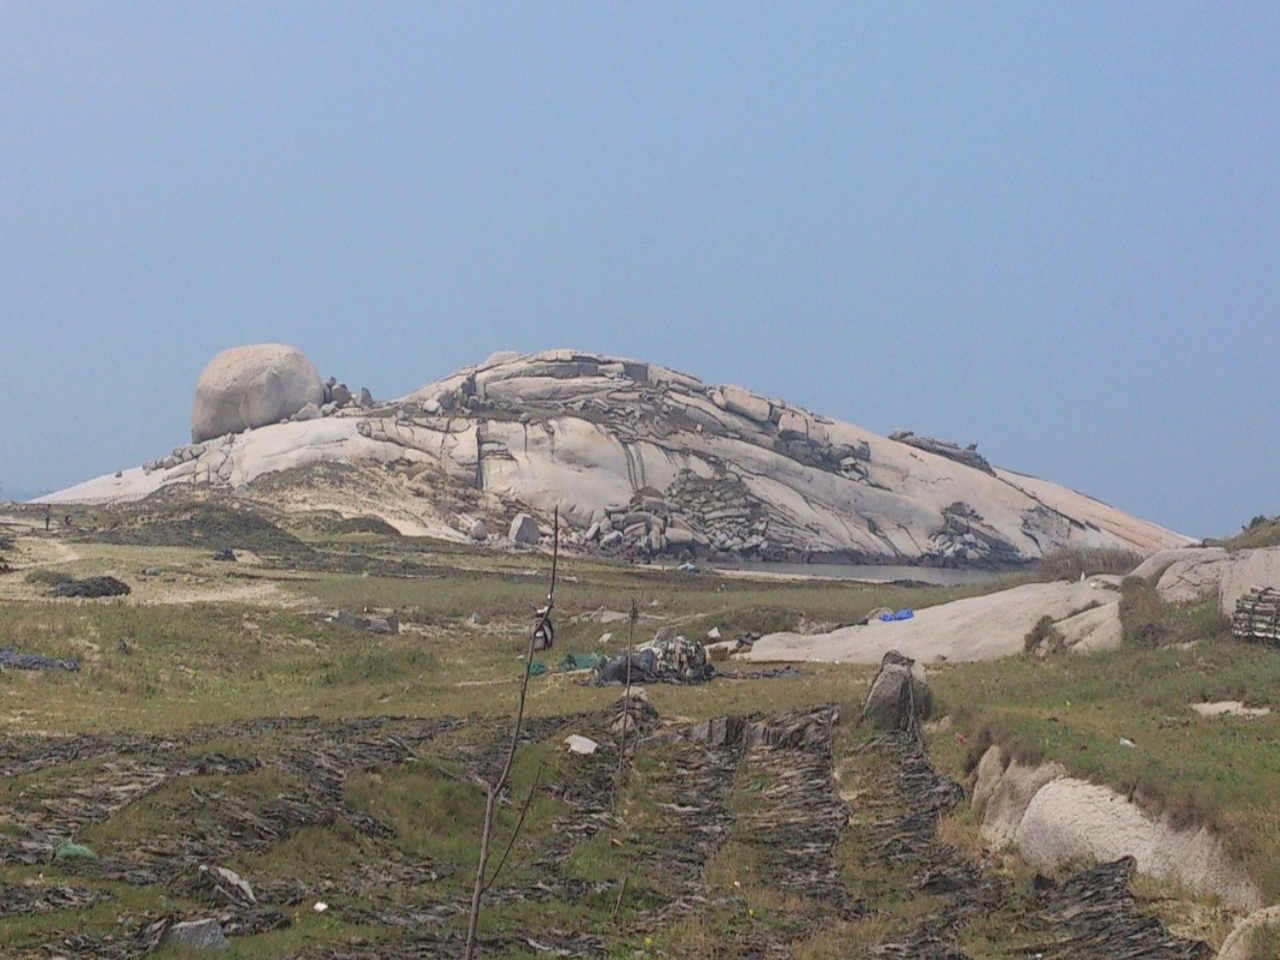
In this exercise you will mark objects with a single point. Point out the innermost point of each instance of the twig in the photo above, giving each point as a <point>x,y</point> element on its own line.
<point>516,832</point>
<point>618,903</point>
<point>495,788</point>
<point>626,697</point>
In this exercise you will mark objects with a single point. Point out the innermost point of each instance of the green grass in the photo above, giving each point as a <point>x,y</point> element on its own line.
<point>1264,942</point>
<point>172,668</point>
<point>1075,710</point>
<point>1260,532</point>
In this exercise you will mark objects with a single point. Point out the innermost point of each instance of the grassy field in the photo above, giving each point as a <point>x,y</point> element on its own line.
<point>1076,710</point>
<point>212,701</point>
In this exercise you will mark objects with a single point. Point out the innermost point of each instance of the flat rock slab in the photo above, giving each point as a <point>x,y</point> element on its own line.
<point>977,628</point>
<point>1232,708</point>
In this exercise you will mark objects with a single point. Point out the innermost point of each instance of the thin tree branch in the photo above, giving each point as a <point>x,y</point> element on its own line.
<point>495,788</point>
<point>626,697</point>
<point>528,801</point>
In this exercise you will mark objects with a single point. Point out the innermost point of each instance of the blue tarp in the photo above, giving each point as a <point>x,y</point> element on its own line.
<point>900,615</point>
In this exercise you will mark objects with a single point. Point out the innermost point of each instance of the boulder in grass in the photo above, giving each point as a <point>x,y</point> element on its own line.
<point>899,685</point>
<point>198,935</point>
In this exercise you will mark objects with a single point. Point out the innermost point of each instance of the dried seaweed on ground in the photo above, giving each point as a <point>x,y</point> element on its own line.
<point>794,830</point>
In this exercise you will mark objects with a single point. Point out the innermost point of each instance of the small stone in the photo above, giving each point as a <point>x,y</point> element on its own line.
<point>198,935</point>
<point>583,745</point>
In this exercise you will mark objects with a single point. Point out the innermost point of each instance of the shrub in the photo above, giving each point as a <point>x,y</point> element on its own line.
<point>1044,637</point>
<point>48,578</point>
<point>1068,563</point>
<point>1150,621</point>
<point>1264,942</point>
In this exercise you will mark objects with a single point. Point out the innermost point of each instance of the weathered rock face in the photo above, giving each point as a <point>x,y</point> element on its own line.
<point>1055,820</point>
<point>644,461</point>
<point>252,386</point>
<point>1187,575</point>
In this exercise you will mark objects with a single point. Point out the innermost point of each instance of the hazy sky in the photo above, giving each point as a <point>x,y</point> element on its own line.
<point>1050,228</point>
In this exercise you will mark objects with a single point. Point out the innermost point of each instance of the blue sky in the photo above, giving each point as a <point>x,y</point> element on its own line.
<point>1050,228</point>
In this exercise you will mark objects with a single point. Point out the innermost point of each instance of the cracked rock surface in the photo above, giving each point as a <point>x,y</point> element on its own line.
<point>644,461</point>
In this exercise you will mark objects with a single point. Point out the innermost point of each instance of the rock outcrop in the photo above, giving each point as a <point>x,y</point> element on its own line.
<point>1191,574</point>
<point>1057,821</point>
<point>899,694</point>
<point>644,461</point>
<point>252,386</point>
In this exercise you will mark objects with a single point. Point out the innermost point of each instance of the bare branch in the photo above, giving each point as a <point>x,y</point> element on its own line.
<point>496,788</point>
<point>528,801</point>
<point>626,697</point>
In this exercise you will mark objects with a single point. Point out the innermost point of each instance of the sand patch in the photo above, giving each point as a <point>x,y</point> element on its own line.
<point>1233,708</point>
<point>263,593</point>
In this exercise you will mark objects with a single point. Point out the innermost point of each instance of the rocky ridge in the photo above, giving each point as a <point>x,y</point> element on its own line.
<point>645,461</point>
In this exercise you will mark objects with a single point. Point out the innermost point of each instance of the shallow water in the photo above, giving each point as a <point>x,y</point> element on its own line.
<point>874,572</point>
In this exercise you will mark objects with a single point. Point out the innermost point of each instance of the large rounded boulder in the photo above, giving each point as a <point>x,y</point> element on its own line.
<point>252,386</point>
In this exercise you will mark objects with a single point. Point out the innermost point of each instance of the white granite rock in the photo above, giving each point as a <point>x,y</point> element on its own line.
<point>252,386</point>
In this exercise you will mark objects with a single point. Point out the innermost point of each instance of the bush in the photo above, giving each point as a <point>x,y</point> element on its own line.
<point>48,578</point>
<point>1068,563</point>
<point>1150,621</point>
<point>1044,637</point>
